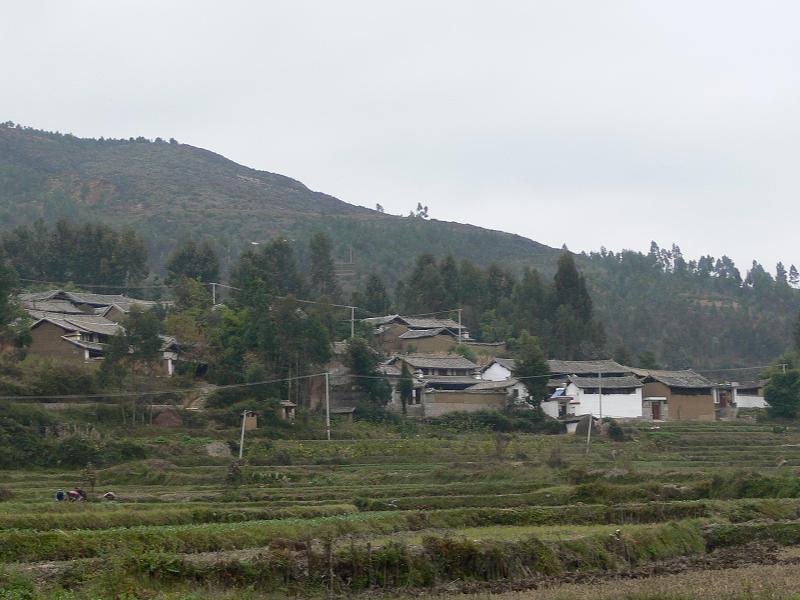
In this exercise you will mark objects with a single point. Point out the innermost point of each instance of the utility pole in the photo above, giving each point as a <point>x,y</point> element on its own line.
<point>327,405</point>
<point>213,294</point>
<point>783,366</point>
<point>600,394</point>
<point>352,322</point>
<point>459,326</point>
<point>241,439</point>
<point>589,434</point>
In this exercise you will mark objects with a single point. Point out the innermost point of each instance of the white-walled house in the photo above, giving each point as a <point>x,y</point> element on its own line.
<point>749,394</point>
<point>621,398</point>
<point>499,369</point>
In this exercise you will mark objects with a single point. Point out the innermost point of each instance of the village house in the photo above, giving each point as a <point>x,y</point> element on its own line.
<point>427,341</point>
<point>113,307</point>
<point>561,370</point>
<point>441,365</point>
<point>616,396</point>
<point>498,369</point>
<point>437,402</point>
<point>440,334</point>
<point>733,395</point>
<point>448,383</point>
<point>676,395</point>
<point>750,394</point>
<point>514,389</point>
<point>77,327</point>
<point>72,337</point>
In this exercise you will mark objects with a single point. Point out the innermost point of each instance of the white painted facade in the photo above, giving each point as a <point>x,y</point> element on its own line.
<point>496,372</point>
<point>618,406</point>
<point>550,408</point>
<point>749,400</point>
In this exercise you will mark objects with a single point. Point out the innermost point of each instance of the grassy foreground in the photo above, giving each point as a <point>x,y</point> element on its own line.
<point>401,515</point>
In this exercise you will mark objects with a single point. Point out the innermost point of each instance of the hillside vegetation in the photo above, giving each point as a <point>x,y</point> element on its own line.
<point>170,191</point>
<point>704,313</point>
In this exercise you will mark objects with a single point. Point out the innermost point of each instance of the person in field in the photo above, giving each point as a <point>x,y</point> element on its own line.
<point>60,496</point>
<point>76,495</point>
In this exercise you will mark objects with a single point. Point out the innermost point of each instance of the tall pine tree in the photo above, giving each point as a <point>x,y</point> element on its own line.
<point>323,271</point>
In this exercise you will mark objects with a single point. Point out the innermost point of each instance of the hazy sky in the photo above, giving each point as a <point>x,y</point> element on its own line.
<point>586,123</point>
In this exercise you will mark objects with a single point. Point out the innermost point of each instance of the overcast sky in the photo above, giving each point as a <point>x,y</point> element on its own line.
<point>586,123</point>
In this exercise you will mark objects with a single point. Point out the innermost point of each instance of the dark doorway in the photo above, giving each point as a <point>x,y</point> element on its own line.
<point>656,411</point>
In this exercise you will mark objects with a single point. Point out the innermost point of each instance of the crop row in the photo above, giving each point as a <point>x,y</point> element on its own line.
<point>28,545</point>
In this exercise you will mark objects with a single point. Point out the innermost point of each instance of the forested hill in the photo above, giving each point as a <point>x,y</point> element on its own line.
<point>170,191</point>
<point>703,313</point>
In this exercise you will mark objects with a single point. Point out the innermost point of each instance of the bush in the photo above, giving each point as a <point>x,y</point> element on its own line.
<point>528,421</point>
<point>615,431</point>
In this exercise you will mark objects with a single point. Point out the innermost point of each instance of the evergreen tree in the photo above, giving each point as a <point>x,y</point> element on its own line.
<point>269,270</point>
<point>424,289</point>
<point>576,335</point>
<point>780,273</point>
<point>570,288</point>
<point>8,280</point>
<point>530,302</point>
<point>405,387</point>
<point>783,395</point>
<point>796,333</point>
<point>375,391</point>
<point>193,262</point>
<point>472,283</point>
<point>449,273</point>
<point>88,253</point>
<point>143,331</point>
<point>375,298</point>
<point>678,262</point>
<point>794,276</point>
<point>323,271</point>
<point>531,367</point>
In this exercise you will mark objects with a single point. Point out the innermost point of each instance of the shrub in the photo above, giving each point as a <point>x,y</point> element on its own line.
<point>615,431</point>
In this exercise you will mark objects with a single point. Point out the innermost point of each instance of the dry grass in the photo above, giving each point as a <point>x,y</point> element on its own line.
<point>504,533</point>
<point>773,582</point>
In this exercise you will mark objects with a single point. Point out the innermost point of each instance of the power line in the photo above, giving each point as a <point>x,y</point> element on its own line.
<point>97,285</point>
<point>734,369</point>
<point>161,392</point>
<point>125,394</point>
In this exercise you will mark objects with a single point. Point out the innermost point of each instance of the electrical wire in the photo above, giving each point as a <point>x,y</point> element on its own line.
<point>125,394</point>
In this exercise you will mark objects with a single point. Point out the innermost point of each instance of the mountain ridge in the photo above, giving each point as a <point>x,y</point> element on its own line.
<point>170,190</point>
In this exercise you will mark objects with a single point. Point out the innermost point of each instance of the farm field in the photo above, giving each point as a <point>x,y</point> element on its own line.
<point>682,511</point>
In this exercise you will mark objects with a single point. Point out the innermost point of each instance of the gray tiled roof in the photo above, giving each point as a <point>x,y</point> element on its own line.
<point>465,380</point>
<point>432,361</point>
<point>680,379</point>
<point>413,334</point>
<point>508,363</point>
<point>377,321</point>
<point>80,323</point>
<point>124,303</point>
<point>87,345</point>
<point>495,385</point>
<point>53,305</point>
<point>415,322</point>
<point>608,383</point>
<point>586,367</point>
<point>418,323</point>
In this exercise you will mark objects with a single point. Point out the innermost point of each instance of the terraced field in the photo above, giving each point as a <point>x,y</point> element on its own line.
<point>441,514</point>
